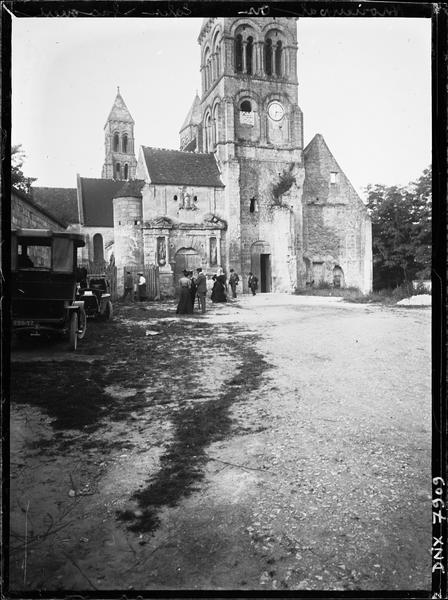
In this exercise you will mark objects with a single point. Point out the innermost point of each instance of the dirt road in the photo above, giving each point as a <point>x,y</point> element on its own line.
<point>279,442</point>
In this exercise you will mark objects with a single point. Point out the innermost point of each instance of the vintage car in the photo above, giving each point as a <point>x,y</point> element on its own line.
<point>43,284</point>
<point>96,296</point>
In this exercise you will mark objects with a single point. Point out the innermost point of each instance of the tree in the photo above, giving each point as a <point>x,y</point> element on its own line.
<point>401,230</point>
<point>18,179</point>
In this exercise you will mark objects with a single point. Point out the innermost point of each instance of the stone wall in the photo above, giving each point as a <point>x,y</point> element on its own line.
<point>338,236</point>
<point>337,227</point>
<point>276,221</point>
<point>128,238</point>
<point>191,204</point>
<point>25,215</point>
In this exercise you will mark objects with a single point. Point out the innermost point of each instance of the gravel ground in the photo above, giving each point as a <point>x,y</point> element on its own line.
<point>277,443</point>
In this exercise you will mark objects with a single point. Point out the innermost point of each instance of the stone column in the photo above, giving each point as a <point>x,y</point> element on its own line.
<point>203,78</point>
<point>244,56</point>
<point>259,46</point>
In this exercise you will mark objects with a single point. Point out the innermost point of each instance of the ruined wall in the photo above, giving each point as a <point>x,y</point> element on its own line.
<point>337,229</point>
<point>338,235</point>
<point>276,220</point>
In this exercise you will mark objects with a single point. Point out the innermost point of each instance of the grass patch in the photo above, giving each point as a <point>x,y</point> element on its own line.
<point>387,297</point>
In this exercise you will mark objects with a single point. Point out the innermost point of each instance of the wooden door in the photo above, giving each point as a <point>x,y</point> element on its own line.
<point>186,259</point>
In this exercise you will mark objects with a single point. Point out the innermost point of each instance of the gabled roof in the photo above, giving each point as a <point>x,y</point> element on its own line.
<point>59,203</point>
<point>319,163</point>
<point>181,168</point>
<point>194,114</point>
<point>119,110</point>
<point>96,196</point>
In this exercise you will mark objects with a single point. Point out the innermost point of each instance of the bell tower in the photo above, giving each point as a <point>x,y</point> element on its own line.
<point>251,120</point>
<point>120,162</point>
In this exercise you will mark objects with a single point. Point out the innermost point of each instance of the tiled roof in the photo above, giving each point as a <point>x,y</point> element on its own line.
<point>181,168</point>
<point>97,202</point>
<point>131,189</point>
<point>60,203</point>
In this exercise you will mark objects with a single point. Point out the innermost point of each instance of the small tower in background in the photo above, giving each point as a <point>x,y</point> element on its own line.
<point>120,161</point>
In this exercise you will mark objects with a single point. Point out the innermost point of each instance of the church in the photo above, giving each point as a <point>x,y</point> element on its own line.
<point>241,191</point>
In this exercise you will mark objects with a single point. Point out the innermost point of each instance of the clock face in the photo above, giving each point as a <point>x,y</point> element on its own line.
<point>276,111</point>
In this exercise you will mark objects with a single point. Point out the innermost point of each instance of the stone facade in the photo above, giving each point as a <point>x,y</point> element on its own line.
<point>251,120</point>
<point>100,243</point>
<point>242,192</point>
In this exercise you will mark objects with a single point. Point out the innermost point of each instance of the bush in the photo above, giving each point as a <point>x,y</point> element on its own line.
<point>387,296</point>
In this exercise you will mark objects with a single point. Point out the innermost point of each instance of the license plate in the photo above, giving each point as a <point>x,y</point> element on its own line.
<point>20,323</point>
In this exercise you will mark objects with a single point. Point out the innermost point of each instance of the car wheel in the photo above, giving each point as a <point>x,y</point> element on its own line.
<point>108,311</point>
<point>73,332</point>
<point>82,323</point>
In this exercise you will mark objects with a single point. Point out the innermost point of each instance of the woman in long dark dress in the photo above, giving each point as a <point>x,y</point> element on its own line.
<point>184,306</point>
<point>219,289</point>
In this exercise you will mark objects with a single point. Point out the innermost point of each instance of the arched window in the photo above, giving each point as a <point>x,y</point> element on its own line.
<point>116,142</point>
<point>218,60</point>
<point>239,54</point>
<point>117,171</point>
<point>278,59</point>
<point>217,54</point>
<point>98,248</point>
<point>249,54</point>
<point>246,106</point>
<point>208,133</point>
<point>124,142</point>
<point>207,68</point>
<point>126,171</point>
<point>268,57</point>
<point>216,125</point>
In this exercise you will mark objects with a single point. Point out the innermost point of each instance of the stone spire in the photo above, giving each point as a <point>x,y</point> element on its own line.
<point>120,161</point>
<point>119,110</point>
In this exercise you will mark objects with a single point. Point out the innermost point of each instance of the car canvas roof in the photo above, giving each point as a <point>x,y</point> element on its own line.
<point>78,238</point>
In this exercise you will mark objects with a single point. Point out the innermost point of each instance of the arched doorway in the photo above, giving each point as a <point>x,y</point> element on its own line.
<point>186,258</point>
<point>98,248</point>
<point>260,260</point>
<point>338,277</point>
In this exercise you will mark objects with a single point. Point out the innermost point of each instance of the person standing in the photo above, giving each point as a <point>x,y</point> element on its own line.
<point>219,289</point>
<point>192,288</point>
<point>233,281</point>
<point>184,306</point>
<point>128,285</point>
<point>141,287</point>
<point>252,283</point>
<point>201,288</point>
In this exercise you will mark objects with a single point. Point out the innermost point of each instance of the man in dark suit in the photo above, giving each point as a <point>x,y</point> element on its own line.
<point>253,283</point>
<point>201,288</point>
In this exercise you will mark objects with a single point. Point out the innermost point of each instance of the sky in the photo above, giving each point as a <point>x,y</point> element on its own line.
<point>364,84</point>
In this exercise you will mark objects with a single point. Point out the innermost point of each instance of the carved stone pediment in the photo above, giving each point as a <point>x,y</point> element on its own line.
<point>160,223</point>
<point>213,222</point>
